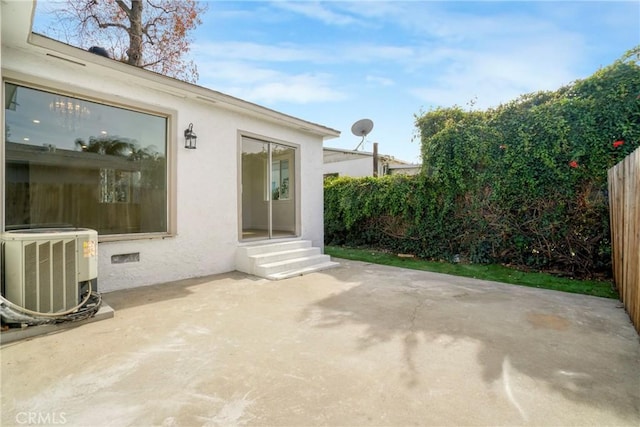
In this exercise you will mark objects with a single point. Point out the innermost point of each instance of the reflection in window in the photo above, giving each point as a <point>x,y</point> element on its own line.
<point>73,162</point>
<point>280,179</point>
<point>117,186</point>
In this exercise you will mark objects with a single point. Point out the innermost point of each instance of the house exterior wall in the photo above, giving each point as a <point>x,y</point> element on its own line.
<point>207,181</point>
<point>351,167</point>
<point>358,164</point>
<point>404,170</point>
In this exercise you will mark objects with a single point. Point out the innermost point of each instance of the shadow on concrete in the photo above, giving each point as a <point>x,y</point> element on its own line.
<point>583,347</point>
<point>166,291</point>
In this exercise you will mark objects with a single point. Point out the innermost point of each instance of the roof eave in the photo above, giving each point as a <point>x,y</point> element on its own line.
<point>178,87</point>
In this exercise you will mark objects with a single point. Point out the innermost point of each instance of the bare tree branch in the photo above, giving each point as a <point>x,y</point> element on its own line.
<point>124,7</point>
<point>112,24</point>
<point>153,34</point>
<point>164,9</point>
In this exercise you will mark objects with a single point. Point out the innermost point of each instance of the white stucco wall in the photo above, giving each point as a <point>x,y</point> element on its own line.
<point>354,167</point>
<point>359,163</point>
<point>206,178</point>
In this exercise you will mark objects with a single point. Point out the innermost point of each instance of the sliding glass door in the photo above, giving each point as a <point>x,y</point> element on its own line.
<point>268,190</point>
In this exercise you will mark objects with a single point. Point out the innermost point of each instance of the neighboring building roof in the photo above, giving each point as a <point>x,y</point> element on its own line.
<point>52,156</point>
<point>15,14</point>
<point>332,155</point>
<point>339,162</point>
<point>404,169</point>
<point>406,166</point>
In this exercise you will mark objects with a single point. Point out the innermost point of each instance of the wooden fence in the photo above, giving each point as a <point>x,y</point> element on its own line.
<point>624,208</point>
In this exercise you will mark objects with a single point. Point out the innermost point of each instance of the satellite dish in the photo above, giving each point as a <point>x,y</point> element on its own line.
<point>361,128</point>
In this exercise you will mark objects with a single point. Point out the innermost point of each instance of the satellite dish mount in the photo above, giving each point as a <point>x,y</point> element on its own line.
<point>361,128</point>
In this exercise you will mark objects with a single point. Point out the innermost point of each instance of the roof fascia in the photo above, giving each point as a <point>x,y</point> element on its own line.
<point>343,150</point>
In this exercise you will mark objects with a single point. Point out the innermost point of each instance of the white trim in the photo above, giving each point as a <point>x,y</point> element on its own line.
<point>297,183</point>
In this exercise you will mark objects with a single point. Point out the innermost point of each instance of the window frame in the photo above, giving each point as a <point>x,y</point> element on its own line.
<point>116,101</point>
<point>295,175</point>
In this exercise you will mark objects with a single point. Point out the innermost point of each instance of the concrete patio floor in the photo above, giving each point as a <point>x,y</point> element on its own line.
<point>360,344</point>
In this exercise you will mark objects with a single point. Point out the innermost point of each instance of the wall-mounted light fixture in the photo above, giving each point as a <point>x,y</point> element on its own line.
<point>190,138</point>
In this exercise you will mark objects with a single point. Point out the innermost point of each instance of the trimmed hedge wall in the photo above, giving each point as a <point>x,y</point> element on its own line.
<point>522,184</point>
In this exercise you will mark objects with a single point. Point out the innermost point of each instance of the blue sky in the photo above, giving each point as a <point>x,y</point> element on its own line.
<point>336,62</point>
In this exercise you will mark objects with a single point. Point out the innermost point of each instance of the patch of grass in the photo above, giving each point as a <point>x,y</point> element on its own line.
<point>493,272</point>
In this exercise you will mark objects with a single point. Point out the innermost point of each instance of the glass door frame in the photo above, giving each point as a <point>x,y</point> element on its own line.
<point>248,194</point>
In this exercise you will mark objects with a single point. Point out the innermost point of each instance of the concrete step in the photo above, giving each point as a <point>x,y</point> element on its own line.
<point>257,249</point>
<point>278,260</point>
<point>265,270</point>
<point>271,257</point>
<point>302,271</point>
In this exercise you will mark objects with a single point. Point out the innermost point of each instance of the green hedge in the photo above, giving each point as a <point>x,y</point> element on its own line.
<point>522,184</point>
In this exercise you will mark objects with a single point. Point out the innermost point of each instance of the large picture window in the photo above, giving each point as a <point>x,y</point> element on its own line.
<point>77,163</point>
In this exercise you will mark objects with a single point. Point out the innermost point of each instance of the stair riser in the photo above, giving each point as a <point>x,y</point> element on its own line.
<point>280,260</point>
<point>282,256</point>
<point>301,272</point>
<point>274,247</point>
<point>266,270</point>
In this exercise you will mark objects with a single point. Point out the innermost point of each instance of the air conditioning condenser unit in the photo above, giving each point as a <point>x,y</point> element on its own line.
<point>45,269</point>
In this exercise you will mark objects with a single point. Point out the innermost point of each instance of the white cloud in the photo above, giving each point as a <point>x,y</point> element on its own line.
<point>381,81</point>
<point>267,73</point>
<point>234,72</point>
<point>297,89</point>
<point>316,10</point>
<point>441,73</point>
<point>251,51</point>
<point>338,53</point>
<point>262,84</point>
<point>371,52</point>
<point>495,76</point>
